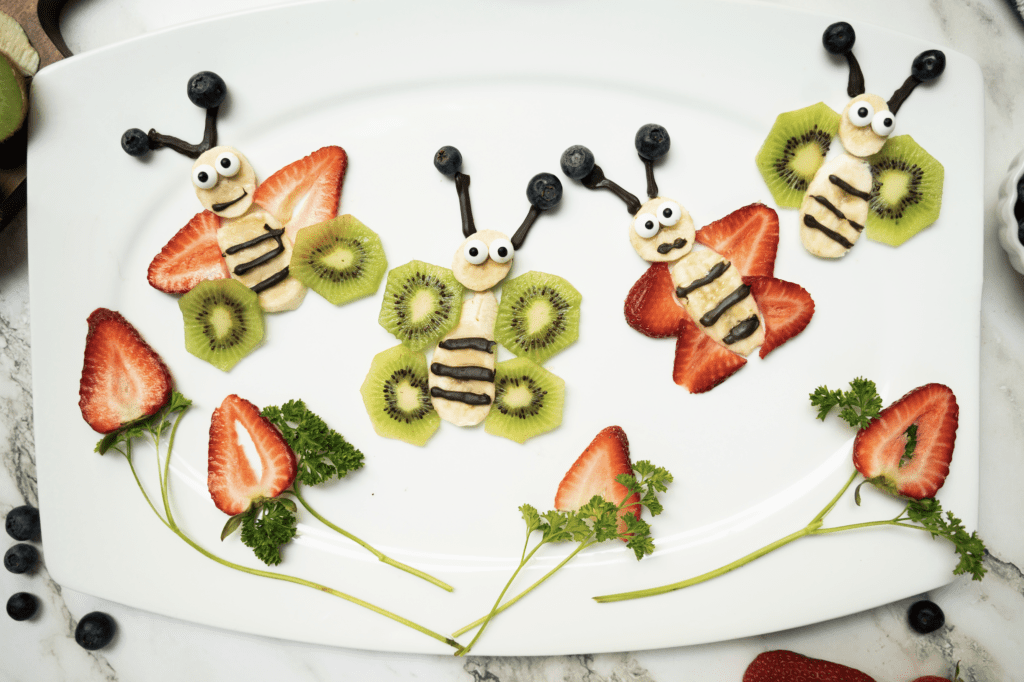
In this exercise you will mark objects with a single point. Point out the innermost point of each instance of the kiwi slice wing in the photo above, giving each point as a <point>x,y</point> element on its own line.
<point>397,397</point>
<point>223,321</point>
<point>341,259</point>
<point>528,400</point>
<point>906,191</point>
<point>422,303</point>
<point>539,315</point>
<point>794,151</point>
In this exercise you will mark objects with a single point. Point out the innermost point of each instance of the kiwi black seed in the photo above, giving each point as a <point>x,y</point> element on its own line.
<point>223,321</point>
<point>906,191</point>
<point>422,303</point>
<point>539,315</point>
<point>528,400</point>
<point>397,397</point>
<point>794,151</point>
<point>340,259</point>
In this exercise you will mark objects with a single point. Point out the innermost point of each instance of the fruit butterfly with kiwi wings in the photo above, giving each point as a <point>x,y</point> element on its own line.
<point>464,385</point>
<point>889,188</point>
<point>720,301</point>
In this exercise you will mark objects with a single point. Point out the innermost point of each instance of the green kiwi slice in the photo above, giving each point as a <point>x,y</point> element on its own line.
<point>794,151</point>
<point>341,259</point>
<point>906,191</point>
<point>13,98</point>
<point>528,400</point>
<point>539,315</point>
<point>422,303</point>
<point>397,398</point>
<point>223,321</point>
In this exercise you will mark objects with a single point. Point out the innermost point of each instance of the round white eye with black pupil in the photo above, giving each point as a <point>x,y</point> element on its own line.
<point>501,250</point>
<point>204,176</point>
<point>883,123</point>
<point>861,114</point>
<point>669,213</point>
<point>475,251</point>
<point>228,164</point>
<point>646,225</point>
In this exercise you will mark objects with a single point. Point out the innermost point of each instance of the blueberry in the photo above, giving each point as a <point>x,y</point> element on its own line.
<point>95,630</point>
<point>21,558</point>
<point>23,523</point>
<point>839,38</point>
<point>577,162</point>
<point>22,606</point>
<point>135,142</point>
<point>925,616</point>
<point>928,65</point>
<point>544,191</point>
<point>652,141</point>
<point>448,160</point>
<point>207,90</point>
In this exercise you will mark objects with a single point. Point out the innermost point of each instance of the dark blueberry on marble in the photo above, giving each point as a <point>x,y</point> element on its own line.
<point>544,191</point>
<point>839,38</point>
<point>22,606</point>
<point>925,616</point>
<point>23,523</point>
<point>21,558</point>
<point>135,142</point>
<point>652,141</point>
<point>95,630</point>
<point>448,160</point>
<point>207,90</point>
<point>928,65</point>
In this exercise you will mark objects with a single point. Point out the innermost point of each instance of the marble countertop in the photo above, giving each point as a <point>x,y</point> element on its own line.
<point>984,621</point>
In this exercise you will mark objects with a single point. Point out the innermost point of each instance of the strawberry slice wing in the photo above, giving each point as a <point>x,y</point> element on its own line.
<point>700,363</point>
<point>593,473</point>
<point>305,192</point>
<point>748,237</point>
<point>652,307</point>
<point>123,378</point>
<point>788,666</point>
<point>192,256</point>
<point>232,482</point>
<point>786,309</point>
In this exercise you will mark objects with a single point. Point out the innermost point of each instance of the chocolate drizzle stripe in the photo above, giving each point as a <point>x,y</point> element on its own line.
<point>837,213</point>
<point>461,396</point>
<point>243,268</point>
<point>856,226</point>
<point>848,188</point>
<point>463,373</point>
<point>742,330</point>
<point>226,204</point>
<point>472,343</point>
<point>809,221</point>
<point>677,244</point>
<point>738,294</point>
<point>714,273</point>
<point>270,234</point>
<point>278,277</point>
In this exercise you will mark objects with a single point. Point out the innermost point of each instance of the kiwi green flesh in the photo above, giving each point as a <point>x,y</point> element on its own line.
<point>13,98</point>
<point>397,397</point>
<point>528,400</point>
<point>422,303</point>
<point>906,191</point>
<point>539,315</point>
<point>794,151</point>
<point>341,259</point>
<point>223,322</point>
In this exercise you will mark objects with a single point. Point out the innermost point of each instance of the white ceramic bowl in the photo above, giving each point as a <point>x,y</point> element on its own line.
<point>1008,225</point>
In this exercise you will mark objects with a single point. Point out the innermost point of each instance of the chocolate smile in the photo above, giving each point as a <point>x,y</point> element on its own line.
<point>666,247</point>
<point>220,207</point>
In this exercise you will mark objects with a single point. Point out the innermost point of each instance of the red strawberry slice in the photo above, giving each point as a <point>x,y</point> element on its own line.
<point>594,473</point>
<point>316,178</point>
<point>123,378</point>
<point>233,483</point>
<point>786,309</point>
<point>192,256</point>
<point>786,666</point>
<point>749,237</point>
<point>700,363</point>
<point>652,307</point>
<point>878,449</point>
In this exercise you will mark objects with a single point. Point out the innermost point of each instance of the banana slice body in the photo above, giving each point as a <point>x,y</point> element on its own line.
<point>468,351</point>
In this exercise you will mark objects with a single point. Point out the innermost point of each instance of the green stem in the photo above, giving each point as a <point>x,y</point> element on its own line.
<point>380,555</point>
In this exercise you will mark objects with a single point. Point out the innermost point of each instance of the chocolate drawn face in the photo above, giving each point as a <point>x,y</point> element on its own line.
<point>224,181</point>
<point>662,231</point>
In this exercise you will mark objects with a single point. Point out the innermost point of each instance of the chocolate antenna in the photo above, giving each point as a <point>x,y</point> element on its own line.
<point>838,39</point>
<point>544,192</point>
<point>448,160</point>
<point>205,89</point>
<point>927,66</point>
<point>578,163</point>
<point>652,142</point>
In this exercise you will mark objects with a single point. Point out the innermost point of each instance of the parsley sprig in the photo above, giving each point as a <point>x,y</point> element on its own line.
<point>858,407</point>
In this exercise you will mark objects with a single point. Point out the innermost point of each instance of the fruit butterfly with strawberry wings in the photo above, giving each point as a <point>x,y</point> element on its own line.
<point>720,301</point>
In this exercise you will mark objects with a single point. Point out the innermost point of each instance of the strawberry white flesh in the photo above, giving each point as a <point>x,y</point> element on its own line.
<point>701,363</point>
<point>305,192</point>
<point>594,473</point>
<point>190,257</point>
<point>786,308</point>
<point>748,237</point>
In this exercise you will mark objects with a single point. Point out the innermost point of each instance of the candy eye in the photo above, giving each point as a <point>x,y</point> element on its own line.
<point>228,164</point>
<point>861,113</point>
<point>204,176</point>
<point>669,213</point>
<point>501,250</point>
<point>646,225</point>
<point>883,123</point>
<point>475,251</point>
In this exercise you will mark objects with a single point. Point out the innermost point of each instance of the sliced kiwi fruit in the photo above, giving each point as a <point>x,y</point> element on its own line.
<point>794,151</point>
<point>528,400</point>
<point>340,259</point>
<point>223,321</point>
<point>906,191</point>
<point>539,315</point>
<point>397,397</point>
<point>13,98</point>
<point>422,303</point>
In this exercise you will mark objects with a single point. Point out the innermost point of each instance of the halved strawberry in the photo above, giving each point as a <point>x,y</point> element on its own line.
<point>232,481</point>
<point>652,307</point>
<point>123,379</point>
<point>594,473</point>
<point>749,237</point>
<point>192,256</point>
<point>879,448</point>
<point>700,363</point>
<point>787,666</point>
<point>786,309</point>
<point>317,178</point>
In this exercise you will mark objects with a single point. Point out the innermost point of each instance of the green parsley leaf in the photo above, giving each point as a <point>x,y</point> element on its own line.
<point>928,513</point>
<point>266,526</point>
<point>323,453</point>
<point>858,407</point>
<point>908,449</point>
